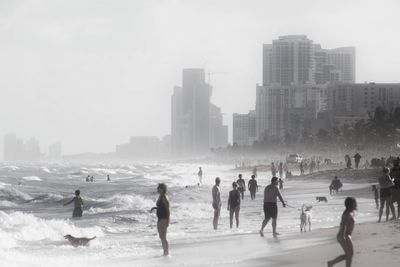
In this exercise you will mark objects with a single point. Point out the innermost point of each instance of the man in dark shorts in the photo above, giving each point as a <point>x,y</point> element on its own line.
<point>78,204</point>
<point>271,193</point>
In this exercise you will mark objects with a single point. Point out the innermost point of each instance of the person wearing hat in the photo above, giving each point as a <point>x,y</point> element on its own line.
<point>216,203</point>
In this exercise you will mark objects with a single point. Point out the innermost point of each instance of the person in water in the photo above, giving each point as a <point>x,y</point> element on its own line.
<point>87,178</point>
<point>200,175</point>
<point>216,203</point>
<point>91,179</point>
<point>253,187</point>
<point>344,234</point>
<point>108,178</point>
<point>78,204</point>
<point>234,205</point>
<point>241,185</point>
<point>163,215</point>
<point>271,193</point>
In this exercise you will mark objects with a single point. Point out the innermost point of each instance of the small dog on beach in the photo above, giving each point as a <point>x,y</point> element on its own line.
<point>305,218</point>
<point>319,199</point>
<point>78,241</point>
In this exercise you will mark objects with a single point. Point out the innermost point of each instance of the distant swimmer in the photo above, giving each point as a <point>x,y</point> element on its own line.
<point>88,178</point>
<point>271,193</point>
<point>78,204</point>
<point>234,205</point>
<point>241,185</point>
<point>163,215</point>
<point>91,179</point>
<point>216,203</point>
<point>344,234</point>
<point>108,178</point>
<point>200,175</point>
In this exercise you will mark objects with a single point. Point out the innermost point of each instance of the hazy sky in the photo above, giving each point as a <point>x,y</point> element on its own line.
<point>93,73</point>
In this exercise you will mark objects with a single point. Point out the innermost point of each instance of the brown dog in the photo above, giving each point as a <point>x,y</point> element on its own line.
<point>78,241</point>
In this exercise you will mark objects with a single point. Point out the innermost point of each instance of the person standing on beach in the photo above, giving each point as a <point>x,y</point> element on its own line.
<point>216,195</point>
<point>273,169</point>
<point>255,171</point>
<point>78,204</point>
<point>357,158</point>
<point>234,205</point>
<point>344,235</point>
<point>253,187</point>
<point>108,178</point>
<point>280,170</point>
<point>280,181</point>
<point>385,192</point>
<point>271,193</point>
<point>301,167</point>
<point>376,195</point>
<point>163,215</point>
<point>200,175</point>
<point>241,183</point>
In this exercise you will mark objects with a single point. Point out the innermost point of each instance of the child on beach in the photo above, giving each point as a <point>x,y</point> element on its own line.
<point>376,196</point>
<point>78,203</point>
<point>344,234</point>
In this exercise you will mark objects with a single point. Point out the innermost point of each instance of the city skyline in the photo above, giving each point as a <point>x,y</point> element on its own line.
<point>92,78</point>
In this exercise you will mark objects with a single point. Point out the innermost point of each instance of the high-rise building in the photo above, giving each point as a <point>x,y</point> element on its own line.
<point>296,73</point>
<point>291,60</point>
<point>349,102</point>
<point>282,110</point>
<point>244,128</point>
<point>55,150</point>
<point>16,150</point>
<point>196,125</point>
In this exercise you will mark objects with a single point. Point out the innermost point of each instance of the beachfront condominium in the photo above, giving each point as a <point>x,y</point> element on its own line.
<point>196,125</point>
<point>244,128</point>
<point>350,102</point>
<point>296,73</point>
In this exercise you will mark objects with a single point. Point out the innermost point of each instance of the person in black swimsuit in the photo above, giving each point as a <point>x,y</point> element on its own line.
<point>163,216</point>
<point>234,204</point>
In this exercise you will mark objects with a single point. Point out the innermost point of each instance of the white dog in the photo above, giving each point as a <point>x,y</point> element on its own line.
<point>305,218</point>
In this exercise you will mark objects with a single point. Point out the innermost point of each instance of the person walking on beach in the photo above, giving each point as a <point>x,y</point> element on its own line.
<point>348,161</point>
<point>234,205</point>
<point>385,192</point>
<point>271,193</point>
<point>216,195</point>
<point>376,195</point>
<point>357,158</point>
<point>241,185</point>
<point>200,175</point>
<point>273,169</point>
<point>344,235</point>
<point>253,187</point>
<point>78,204</point>
<point>163,215</point>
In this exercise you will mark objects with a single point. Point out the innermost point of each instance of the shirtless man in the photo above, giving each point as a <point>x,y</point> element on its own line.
<point>344,234</point>
<point>78,203</point>
<point>216,195</point>
<point>271,193</point>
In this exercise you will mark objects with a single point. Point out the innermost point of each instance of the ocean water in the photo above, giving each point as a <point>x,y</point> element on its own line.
<point>33,219</point>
